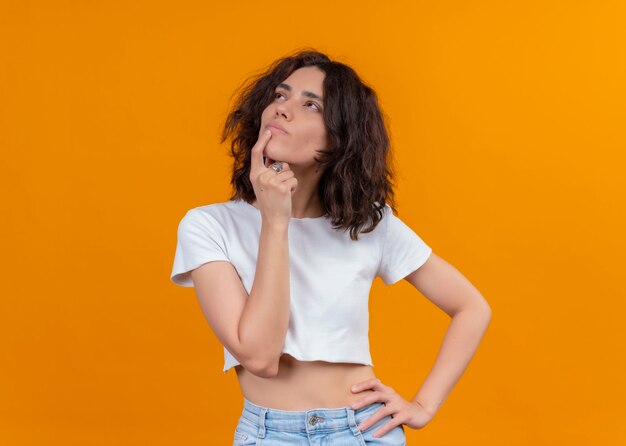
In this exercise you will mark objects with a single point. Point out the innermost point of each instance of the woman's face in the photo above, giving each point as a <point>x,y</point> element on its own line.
<point>298,110</point>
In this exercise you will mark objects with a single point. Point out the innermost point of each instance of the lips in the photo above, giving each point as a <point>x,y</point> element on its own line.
<point>276,128</point>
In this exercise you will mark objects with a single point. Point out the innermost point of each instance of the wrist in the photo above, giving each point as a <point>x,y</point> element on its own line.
<point>274,227</point>
<point>430,409</point>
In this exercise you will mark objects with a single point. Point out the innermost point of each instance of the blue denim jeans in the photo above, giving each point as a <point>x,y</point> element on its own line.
<point>260,425</point>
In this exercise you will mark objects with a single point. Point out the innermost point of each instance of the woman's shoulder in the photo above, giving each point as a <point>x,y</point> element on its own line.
<point>227,213</point>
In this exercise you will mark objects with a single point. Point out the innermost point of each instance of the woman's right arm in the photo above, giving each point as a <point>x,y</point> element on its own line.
<point>265,317</point>
<point>253,326</point>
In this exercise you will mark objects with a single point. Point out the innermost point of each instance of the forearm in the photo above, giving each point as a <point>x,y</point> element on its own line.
<point>460,342</point>
<point>265,318</point>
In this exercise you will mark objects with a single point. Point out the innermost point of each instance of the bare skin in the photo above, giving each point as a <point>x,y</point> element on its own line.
<point>305,385</point>
<point>298,385</point>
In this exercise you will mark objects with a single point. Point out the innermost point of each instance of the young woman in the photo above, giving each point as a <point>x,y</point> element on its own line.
<point>284,268</point>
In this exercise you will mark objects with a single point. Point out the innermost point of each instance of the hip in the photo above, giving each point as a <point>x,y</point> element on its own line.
<point>260,425</point>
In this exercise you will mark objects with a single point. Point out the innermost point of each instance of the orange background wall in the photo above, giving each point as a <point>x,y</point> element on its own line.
<point>507,122</point>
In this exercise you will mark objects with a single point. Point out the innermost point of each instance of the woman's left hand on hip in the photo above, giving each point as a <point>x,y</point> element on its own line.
<point>410,413</point>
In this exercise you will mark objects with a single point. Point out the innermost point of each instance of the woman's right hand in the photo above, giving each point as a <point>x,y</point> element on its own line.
<point>273,190</point>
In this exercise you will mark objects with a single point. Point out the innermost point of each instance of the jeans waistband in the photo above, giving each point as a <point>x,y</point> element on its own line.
<point>318,419</point>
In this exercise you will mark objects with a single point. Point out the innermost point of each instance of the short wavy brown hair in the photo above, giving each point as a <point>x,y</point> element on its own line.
<point>357,178</point>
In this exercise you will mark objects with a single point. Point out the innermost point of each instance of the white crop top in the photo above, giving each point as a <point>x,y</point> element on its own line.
<point>330,274</point>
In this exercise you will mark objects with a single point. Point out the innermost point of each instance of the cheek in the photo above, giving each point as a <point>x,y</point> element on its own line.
<point>321,139</point>
<point>311,141</point>
<point>316,135</point>
<point>268,113</point>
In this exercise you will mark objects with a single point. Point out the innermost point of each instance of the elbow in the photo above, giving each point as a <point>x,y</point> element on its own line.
<point>486,309</point>
<point>481,305</point>
<point>256,363</point>
<point>262,369</point>
<point>269,371</point>
<point>486,312</point>
<point>480,308</point>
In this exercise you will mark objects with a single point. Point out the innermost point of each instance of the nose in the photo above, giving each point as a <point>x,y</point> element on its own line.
<point>281,109</point>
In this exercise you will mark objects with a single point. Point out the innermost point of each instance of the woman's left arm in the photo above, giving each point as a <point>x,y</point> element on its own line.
<point>447,288</point>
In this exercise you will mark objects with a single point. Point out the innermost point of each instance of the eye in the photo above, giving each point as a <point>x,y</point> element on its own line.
<point>318,107</point>
<point>309,102</point>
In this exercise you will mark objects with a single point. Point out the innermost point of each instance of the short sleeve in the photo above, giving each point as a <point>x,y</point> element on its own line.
<point>403,251</point>
<point>200,240</point>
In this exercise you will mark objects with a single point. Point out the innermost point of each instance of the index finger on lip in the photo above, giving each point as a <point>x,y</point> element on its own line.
<point>257,150</point>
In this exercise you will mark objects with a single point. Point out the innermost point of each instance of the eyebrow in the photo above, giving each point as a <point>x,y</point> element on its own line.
<point>304,93</point>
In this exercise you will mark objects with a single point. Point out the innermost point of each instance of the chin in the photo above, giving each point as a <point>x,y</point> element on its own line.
<point>273,152</point>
